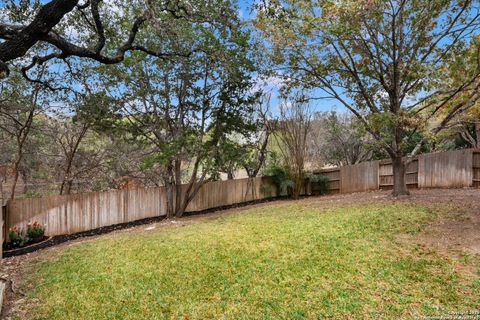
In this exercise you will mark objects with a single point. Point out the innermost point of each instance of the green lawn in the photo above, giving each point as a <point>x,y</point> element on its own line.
<point>282,261</point>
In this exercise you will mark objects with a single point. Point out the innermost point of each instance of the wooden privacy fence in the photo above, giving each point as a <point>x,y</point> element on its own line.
<point>66,214</point>
<point>81,212</point>
<point>449,169</point>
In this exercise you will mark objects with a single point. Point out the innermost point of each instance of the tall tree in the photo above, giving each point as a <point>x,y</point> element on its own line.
<point>382,60</point>
<point>338,139</point>
<point>19,105</point>
<point>73,161</point>
<point>291,131</point>
<point>185,111</point>
<point>467,125</point>
<point>255,155</point>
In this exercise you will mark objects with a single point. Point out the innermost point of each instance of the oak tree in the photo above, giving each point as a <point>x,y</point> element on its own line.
<point>382,60</point>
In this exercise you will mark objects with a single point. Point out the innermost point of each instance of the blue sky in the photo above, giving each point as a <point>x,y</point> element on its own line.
<point>246,12</point>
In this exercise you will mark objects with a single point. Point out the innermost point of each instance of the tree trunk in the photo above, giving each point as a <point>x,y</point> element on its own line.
<point>65,186</point>
<point>21,138</point>
<point>70,155</point>
<point>66,174</point>
<point>24,176</point>
<point>399,181</point>
<point>178,185</point>
<point>170,199</point>
<point>15,179</point>
<point>187,196</point>
<point>69,186</point>
<point>191,191</point>
<point>170,192</point>
<point>16,172</point>
<point>2,180</point>
<point>181,210</point>
<point>297,185</point>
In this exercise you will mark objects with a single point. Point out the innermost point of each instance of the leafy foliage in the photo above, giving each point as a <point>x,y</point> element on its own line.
<point>17,237</point>
<point>282,180</point>
<point>291,132</point>
<point>385,61</point>
<point>318,183</point>
<point>35,230</point>
<point>188,113</point>
<point>339,139</point>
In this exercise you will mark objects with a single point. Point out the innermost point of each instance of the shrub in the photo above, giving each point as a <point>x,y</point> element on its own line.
<point>266,189</point>
<point>282,180</point>
<point>35,230</point>
<point>318,183</point>
<point>17,237</point>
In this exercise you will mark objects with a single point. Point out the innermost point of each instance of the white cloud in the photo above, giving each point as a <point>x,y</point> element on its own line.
<point>270,84</point>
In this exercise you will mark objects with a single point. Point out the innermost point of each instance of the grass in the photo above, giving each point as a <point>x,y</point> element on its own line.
<point>281,261</point>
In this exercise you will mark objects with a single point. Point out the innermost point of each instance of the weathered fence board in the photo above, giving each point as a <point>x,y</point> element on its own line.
<point>359,177</point>
<point>333,176</point>
<point>3,234</point>
<point>476,168</point>
<point>81,212</point>
<point>385,174</point>
<point>452,169</point>
<point>86,211</point>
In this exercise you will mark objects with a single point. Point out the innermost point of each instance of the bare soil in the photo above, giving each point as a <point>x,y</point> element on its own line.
<point>453,235</point>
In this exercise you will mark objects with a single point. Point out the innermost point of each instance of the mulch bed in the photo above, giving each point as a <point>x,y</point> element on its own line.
<point>55,240</point>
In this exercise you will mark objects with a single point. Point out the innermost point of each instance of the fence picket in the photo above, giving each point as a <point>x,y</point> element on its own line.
<point>81,212</point>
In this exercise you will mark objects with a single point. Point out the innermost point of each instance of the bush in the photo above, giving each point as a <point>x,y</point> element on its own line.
<point>282,180</point>
<point>17,237</point>
<point>266,189</point>
<point>35,230</point>
<point>319,184</point>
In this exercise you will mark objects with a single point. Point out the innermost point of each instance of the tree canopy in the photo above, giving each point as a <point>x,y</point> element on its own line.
<point>385,61</point>
<point>170,92</point>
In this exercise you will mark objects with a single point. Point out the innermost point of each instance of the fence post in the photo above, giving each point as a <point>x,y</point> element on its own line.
<point>3,225</point>
<point>476,168</point>
<point>340,182</point>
